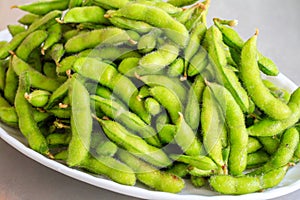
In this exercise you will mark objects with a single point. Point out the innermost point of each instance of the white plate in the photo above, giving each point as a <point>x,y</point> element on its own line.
<point>290,183</point>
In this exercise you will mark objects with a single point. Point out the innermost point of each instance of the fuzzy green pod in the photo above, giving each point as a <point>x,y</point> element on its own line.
<point>238,134</point>
<point>28,19</point>
<point>96,37</point>
<point>15,29</point>
<point>88,14</point>
<point>254,85</point>
<point>28,126</point>
<point>110,167</point>
<point>150,176</point>
<point>172,28</point>
<point>226,184</point>
<point>38,98</point>
<point>157,60</point>
<point>44,7</point>
<point>134,144</point>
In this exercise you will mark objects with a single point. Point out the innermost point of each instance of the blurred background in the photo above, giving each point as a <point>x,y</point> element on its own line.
<point>278,22</point>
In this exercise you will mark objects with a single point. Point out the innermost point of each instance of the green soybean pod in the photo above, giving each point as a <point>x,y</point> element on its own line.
<point>224,75</point>
<point>284,153</point>
<point>37,79</point>
<point>107,148</point>
<point>168,8</point>
<point>130,24</point>
<point>257,159</point>
<point>11,84</point>
<point>157,60</point>
<point>152,106</point>
<point>35,60</point>
<point>226,184</point>
<point>28,19</point>
<point>233,40</point>
<point>56,52</point>
<point>198,181</point>
<point>107,4</point>
<point>108,76</point>
<point>197,35</point>
<point>150,176</point>
<point>134,144</point>
<point>81,123</point>
<point>212,124</point>
<point>58,94</point>
<point>130,120</point>
<point>186,14</point>
<point>176,68</point>
<point>15,29</point>
<point>38,98</point>
<point>201,162</point>
<point>180,3</point>
<point>3,68</point>
<point>9,116</point>
<point>192,108</point>
<point>75,3</point>
<point>96,37</point>
<point>270,127</point>
<point>58,139</point>
<point>27,124</point>
<point>110,167</point>
<point>54,36</point>
<point>44,7</point>
<point>197,63</point>
<point>253,145</point>
<point>270,144</point>
<point>66,64</point>
<point>147,42</point>
<point>172,28</point>
<point>254,85</point>
<point>88,14</point>
<point>167,133</point>
<point>179,169</point>
<point>238,135</point>
<point>186,138</point>
<point>42,23</point>
<point>169,100</point>
<point>173,84</point>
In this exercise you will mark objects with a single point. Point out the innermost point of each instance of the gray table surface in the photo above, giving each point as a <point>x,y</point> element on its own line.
<point>278,22</point>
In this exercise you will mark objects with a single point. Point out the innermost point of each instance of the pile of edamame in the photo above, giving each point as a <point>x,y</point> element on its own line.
<point>144,90</point>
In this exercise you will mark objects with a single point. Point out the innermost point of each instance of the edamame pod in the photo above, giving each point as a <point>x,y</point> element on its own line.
<point>172,84</point>
<point>134,144</point>
<point>226,184</point>
<point>157,60</point>
<point>186,138</point>
<point>254,85</point>
<point>118,113</point>
<point>27,124</point>
<point>95,38</point>
<point>212,125</point>
<point>224,75</point>
<point>32,41</point>
<point>130,24</point>
<point>88,14</point>
<point>271,127</point>
<point>201,162</point>
<point>238,135</point>
<point>284,153</point>
<point>54,35</point>
<point>172,28</point>
<point>168,99</point>
<point>81,123</point>
<point>110,167</point>
<point>15,29</point>
<point>44,7</point>
<point>37,79</point>
<point>28,19</point>
<point>150,176</point>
